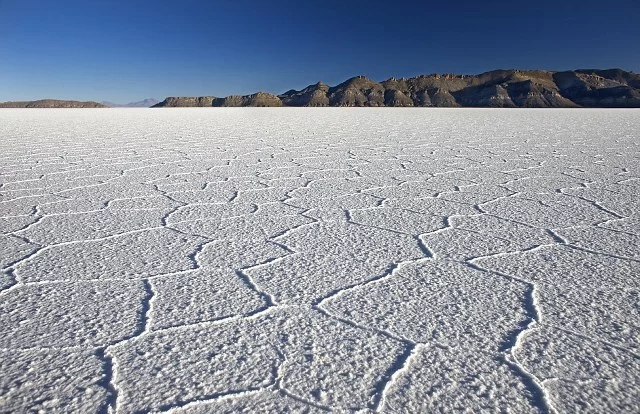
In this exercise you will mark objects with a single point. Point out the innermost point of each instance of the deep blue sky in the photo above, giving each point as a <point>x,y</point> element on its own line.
<point>132,49</point>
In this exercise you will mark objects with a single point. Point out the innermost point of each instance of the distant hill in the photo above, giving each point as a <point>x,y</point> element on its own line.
<point>257,99</point>
<point>610,88</point>
<point>145,103</point>
<point>51,103</point>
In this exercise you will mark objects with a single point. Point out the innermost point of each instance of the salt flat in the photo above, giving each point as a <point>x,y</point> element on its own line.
<point>305,260</point>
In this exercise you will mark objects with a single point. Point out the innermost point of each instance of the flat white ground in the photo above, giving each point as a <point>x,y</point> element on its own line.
<point>302,260</point>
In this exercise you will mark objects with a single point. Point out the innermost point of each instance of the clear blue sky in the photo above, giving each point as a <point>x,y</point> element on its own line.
<point>126,50</point>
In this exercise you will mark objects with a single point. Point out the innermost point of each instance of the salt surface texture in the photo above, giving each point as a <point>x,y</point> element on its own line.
<point>304,260</point>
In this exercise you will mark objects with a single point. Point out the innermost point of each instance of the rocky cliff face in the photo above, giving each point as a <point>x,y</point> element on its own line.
<point>257,99</point>
<point>499,88</point>
<point>51,103</point>
<point>186,101</point>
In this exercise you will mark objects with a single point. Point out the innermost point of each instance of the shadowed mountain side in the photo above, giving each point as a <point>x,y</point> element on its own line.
<point>499,88</point>
<point>51,103</point>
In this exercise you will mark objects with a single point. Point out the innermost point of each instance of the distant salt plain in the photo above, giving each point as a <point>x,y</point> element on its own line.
<point>310,260</point>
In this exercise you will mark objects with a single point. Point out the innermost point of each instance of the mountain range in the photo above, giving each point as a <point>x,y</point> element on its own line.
<point>500,88</point>
<point>594,88</point>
